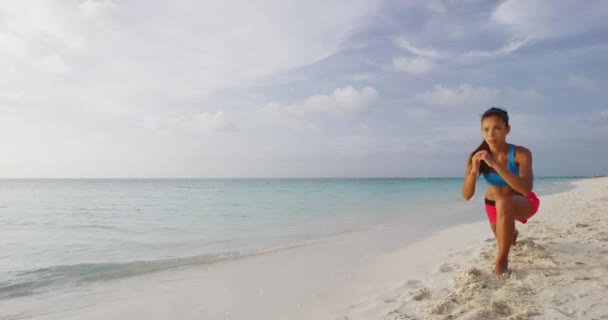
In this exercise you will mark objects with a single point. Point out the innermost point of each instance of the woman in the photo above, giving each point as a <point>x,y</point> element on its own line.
<point>507,170</point>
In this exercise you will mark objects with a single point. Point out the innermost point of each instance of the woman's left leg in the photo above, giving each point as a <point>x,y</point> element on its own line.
<point>508,209</point>
<point>515,233</point>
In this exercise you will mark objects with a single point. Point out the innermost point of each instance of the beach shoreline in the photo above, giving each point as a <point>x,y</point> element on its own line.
<point>559,269</point>
<point>348,277</point>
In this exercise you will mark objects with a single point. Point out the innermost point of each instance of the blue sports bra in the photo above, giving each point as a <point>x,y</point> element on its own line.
<point>494,179</point>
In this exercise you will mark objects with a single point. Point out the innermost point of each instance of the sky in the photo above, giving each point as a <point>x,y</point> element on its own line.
<point>277,88</point>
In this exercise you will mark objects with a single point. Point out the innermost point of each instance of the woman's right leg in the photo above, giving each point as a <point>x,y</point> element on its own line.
<point>508,209</point>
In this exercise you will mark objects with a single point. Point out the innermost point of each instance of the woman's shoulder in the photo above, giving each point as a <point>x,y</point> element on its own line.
<point>521,151</point>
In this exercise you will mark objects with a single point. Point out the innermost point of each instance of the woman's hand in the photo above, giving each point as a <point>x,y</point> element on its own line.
<point>476,161</point>
<point>486,157</point>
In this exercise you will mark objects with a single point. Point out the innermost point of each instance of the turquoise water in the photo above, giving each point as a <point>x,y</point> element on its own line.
<point>69,232</point>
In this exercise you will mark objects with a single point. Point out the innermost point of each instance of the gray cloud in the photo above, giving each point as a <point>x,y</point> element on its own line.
<point>136,88</point>
<point>344,102</point>
<point>550,19</point>
<point>468,96</point>
<point>583,83</point>
<point>214,121</point>
<point>414,65</point>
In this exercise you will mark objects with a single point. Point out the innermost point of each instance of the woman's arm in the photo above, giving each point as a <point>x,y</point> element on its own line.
<point>524,182</point>
<point>470,177</point>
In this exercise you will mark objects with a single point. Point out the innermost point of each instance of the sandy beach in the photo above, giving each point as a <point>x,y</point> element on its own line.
<point>303,160</point>
<point>559,271</point>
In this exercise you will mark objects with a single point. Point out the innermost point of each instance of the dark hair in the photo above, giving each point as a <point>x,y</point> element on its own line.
<point>483,167</point>
<point>502,113</point>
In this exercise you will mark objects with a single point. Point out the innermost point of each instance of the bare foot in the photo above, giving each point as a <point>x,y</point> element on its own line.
<point>515,237</point>
<point>501,271</point>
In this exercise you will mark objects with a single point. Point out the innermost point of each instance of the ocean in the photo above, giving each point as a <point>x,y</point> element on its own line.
<point>62,232</point>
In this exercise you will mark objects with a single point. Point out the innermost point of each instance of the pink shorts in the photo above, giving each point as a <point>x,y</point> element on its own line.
<point>491,208</point>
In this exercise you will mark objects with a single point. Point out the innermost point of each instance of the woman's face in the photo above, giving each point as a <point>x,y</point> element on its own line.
<point>494,130</point>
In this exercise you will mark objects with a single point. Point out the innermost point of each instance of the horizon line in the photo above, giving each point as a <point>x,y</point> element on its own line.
<point>277,178</point>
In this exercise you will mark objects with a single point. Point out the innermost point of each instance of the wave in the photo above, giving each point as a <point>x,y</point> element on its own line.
<point>33,281</point>
<point>38,280</point>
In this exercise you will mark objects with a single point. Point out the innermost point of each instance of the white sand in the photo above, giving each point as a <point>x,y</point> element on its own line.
<point>560,271</point>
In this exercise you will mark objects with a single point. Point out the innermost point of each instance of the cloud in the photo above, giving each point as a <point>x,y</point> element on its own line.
<point>436,6</point>
<point>506,50</point>
<point>583,83</point>
<point>354,141</point>
<point>442,139</point>
<point>550,19</point>
<point>164,52</point>
<point>423,52</point>
<point>425,60</point>
<point>81,78</point>
<point>465,56</point>
<point>210,121</point>
<point>343,102</point>
<point>11,100</point>
<point>461,96</point>
<point>453,138</point>
<point>94,6</point>
<point>599,118</point>
<point>417,113</point>
<point>44,21</point>
<point>468,96</point>
<point>54,64</point>
<point>216,121</point>
<point>414,65</point>
<point>363,76</point>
